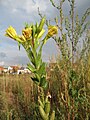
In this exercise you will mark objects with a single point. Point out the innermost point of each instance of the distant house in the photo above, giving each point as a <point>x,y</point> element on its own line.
<point>23,70</point>
<point>1,69</point>
<point>10,69</point>
<point>13,69</point>
<point>20,70</point>
<point>27,70</point>
<point>5,70</point>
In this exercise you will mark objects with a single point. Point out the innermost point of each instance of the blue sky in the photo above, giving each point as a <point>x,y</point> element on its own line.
<point>16,13</point>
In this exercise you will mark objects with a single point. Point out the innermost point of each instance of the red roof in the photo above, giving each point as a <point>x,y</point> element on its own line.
<point>14,67</point>
<point>1,68</point>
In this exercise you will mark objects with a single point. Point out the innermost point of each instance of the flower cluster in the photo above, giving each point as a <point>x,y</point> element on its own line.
<point>33,46</point>
<point>52,30</point>
<point>32,32</point>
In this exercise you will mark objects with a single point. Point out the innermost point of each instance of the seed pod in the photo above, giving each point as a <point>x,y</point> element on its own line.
<point>40,27</point>
<point>41,33</point>
<point>40,102</point>
<point>42,113</point>
<point>47,107</point>
<point>52,117</point>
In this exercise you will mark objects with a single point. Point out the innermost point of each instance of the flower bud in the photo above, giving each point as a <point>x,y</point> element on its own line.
<point>52,30</point>
<point>27,32</point>
<point>10,32</point>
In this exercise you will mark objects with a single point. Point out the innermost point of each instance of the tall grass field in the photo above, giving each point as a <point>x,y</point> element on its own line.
<point>69,88</point>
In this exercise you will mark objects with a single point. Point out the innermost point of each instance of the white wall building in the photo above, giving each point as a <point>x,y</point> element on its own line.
<point>22,71</point>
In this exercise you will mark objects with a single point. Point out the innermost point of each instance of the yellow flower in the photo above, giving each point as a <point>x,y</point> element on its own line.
<point>27,32</point>
<point>10,32</point>
<point>52,30</point>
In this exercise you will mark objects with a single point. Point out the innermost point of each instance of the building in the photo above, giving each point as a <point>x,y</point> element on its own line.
<point>1,69</point>
<point>13,69</point>
<point>5,70</point>
<point>23,70</point>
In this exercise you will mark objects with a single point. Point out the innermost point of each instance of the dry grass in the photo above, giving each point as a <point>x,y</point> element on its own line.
<point>18,94</point>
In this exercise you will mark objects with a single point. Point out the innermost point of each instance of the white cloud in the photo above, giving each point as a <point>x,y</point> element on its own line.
<point>2,63</point>
<point>16,13</point>
<point>27,5</point>
<point>14,10</point>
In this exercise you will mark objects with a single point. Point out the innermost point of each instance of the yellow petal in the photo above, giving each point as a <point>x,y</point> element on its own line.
<point>10,32</point>
<point>27,32</point>
<point>52,30</point>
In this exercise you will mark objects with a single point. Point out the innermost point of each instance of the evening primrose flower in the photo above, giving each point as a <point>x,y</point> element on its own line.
<point>11,32</point>
<point>52,30</point>
<point>27,32</point>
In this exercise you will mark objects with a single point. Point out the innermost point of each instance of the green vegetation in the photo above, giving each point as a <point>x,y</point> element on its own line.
<point>70,69</point>
<point>63,86</point>
<point>19,95</point>
<point>30,40</point>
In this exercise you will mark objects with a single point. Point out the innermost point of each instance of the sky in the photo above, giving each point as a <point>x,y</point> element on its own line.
<point>16,13</point>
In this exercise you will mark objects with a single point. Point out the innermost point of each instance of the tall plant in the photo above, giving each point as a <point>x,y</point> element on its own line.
<point>33,44</point>
<point>71,31</point>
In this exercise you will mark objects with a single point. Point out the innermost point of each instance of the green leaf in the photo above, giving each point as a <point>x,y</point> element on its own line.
<point>36,26</point>
<point>36,43</point>
<point>39,59</point>
<point>42,70</point>
<point>34,79</point>
<point>31,68</point>
<point>33,31</point>
<point>19,45</point>
<point>31,56</point>
<point>37,75</point>
<point>43,82</point>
